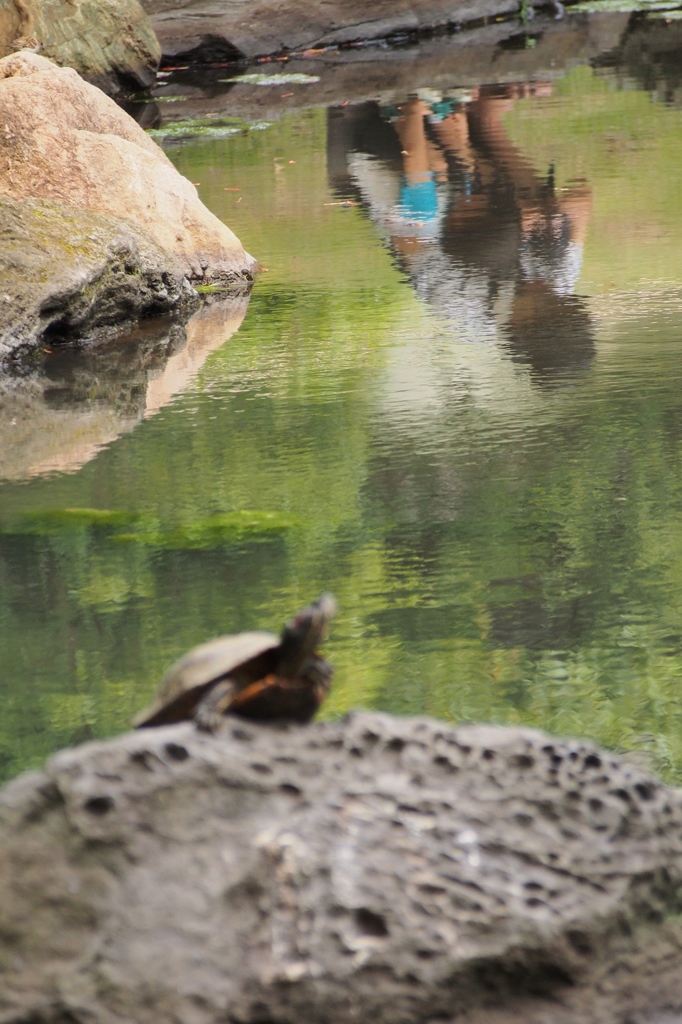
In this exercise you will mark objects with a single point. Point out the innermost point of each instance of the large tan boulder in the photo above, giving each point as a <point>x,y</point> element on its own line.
<point>64,140</point>
<point>109,42</point>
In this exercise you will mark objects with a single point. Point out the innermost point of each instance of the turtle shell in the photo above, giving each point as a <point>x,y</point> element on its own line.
<point>244,657</point>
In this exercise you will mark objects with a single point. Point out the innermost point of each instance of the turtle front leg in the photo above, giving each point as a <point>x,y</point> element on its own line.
<point>319,672</point>
<point>210,711</point>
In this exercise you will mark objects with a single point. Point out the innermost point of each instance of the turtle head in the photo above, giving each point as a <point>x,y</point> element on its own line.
<point>303,634</point>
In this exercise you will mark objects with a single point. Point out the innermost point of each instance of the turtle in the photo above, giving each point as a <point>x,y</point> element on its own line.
<point>256,675</point>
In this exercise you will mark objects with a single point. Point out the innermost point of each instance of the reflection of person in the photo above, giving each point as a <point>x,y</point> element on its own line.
<point>553,227</point>
<point>488,242</point>
<point>546,324</point>
<point>423,164</point>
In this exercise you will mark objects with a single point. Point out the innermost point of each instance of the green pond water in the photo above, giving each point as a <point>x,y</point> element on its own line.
<point>455,402</point>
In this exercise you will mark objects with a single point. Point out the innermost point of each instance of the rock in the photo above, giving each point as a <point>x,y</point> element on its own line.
<point>99,227</point>
<point>225,29</point>
<point>63,140</point>
<point>111,44</point>
<point>70,274</point>
<point>379,869</point>
<point>270,26</point>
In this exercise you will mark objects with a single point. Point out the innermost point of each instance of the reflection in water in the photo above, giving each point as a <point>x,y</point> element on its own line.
<point>488,242</point>
<point>649,54</point>
<point>60,416</point>
<point>500,552</point>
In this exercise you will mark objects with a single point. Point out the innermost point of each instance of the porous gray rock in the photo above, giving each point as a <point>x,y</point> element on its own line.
<point>381,869</point>
<point>110,43</point>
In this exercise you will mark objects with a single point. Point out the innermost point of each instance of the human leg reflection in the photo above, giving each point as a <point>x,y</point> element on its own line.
<point>487,239</point>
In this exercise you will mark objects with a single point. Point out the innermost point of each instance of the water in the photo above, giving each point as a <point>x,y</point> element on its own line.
<point>454,401</point>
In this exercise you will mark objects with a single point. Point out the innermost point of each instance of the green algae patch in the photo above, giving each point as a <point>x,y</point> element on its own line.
<point>131,528</point>
<point>56,519</point>
<point>215,531</point>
